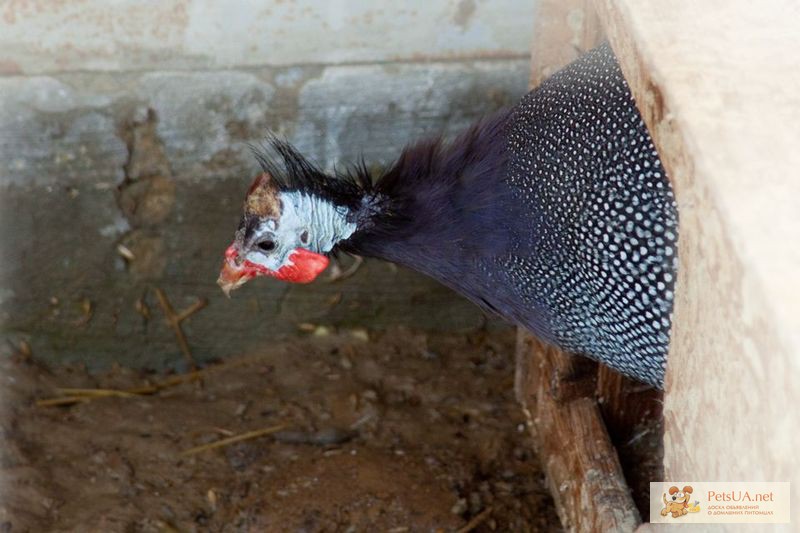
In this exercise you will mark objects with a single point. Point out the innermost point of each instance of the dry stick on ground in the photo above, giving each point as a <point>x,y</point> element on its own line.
<point>476,521</point>
<point>63,400</point>
<point>82,395</point>
<point>171,382</point>
<point>99,393</point>
<point>174,319</point>
<point>72,395</point>
<point>236,438</point>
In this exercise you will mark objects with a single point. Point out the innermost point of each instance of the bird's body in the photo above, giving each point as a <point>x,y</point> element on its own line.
<point>555,214</point>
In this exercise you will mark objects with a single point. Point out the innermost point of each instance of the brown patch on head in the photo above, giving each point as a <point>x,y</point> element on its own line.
<point>262,198</point>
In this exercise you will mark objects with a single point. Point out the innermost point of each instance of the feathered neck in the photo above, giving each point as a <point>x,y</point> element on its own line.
<point>440,202</point>
<point>436,197</point>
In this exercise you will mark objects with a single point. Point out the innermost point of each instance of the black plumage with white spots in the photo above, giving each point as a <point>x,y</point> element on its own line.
<point>602,265</point>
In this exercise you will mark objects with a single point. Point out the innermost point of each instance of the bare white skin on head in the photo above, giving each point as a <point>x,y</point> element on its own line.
<point>306,221</point>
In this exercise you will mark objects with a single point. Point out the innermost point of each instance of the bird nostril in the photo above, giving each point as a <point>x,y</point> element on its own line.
<point>232,255</point>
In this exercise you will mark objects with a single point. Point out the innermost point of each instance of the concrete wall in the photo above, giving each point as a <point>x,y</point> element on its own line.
<point>127,123</point>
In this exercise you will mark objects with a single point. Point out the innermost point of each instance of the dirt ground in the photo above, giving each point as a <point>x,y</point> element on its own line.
<point>396,432</point>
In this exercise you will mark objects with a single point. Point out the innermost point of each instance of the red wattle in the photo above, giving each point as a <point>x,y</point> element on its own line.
<point>306,266</point>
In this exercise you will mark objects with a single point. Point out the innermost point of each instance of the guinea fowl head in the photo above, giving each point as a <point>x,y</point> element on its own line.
<point>436,208</point>
<point>294,216</point>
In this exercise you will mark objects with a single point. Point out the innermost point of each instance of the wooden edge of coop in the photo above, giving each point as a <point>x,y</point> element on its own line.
<point>737,301</point>
<point>719,97</point>
<point>584,475</point>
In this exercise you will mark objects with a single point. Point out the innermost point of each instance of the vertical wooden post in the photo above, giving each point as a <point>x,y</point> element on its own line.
<point>719,96</point>
<point>563,31</point>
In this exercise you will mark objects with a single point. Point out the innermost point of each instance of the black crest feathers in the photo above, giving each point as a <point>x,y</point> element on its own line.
<point>291,171</point>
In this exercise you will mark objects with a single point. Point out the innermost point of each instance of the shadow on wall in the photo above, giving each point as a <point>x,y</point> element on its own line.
<point>115,184</point>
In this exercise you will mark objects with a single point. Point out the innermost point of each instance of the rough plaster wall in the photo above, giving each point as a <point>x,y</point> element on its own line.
<point>147,148</point>
<point>206,118</point>
<point>55,36</point>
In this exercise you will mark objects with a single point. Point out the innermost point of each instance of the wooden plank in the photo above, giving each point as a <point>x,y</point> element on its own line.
<point>717,84</point>
<point>633,416</point>
<point>581,464</point>
<point>564,30</point>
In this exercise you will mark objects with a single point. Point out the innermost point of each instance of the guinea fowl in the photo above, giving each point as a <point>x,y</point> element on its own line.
<point>555,214</point>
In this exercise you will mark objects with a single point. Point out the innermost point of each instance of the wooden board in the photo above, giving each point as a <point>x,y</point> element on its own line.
<point>583,471</point>
<point>563,31</point>
<point>717,83</point>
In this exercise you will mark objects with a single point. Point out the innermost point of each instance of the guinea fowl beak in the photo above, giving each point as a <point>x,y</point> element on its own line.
<point>233,275</point>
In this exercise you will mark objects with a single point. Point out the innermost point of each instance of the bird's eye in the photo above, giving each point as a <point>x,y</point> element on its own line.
<point>304,237</point>
<point>266,246</point>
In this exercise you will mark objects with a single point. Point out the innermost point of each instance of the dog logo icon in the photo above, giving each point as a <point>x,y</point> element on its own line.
<point>677,503</point>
